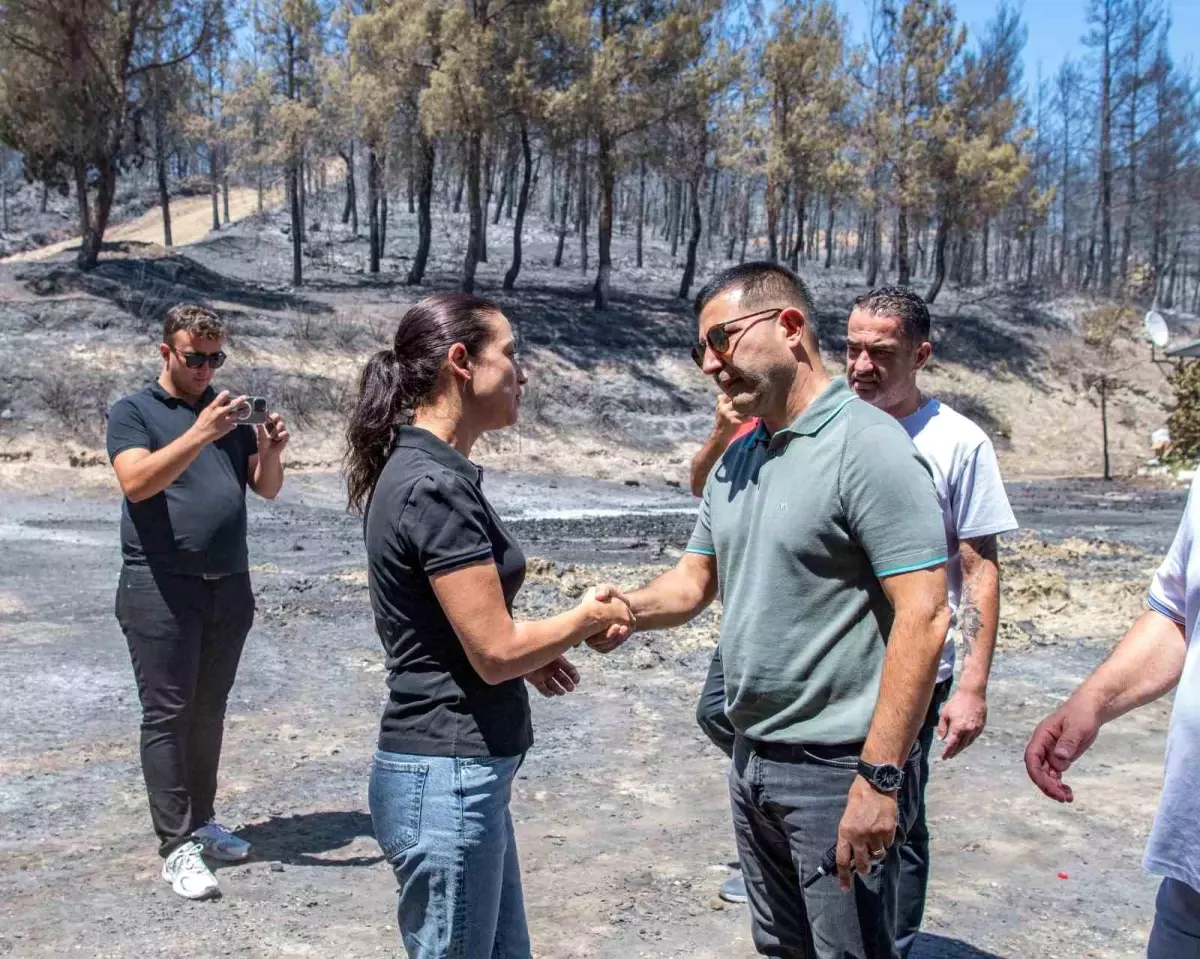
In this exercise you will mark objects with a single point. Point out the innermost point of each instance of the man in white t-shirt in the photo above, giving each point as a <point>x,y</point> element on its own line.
<point>887,345</point>
<point>1157,655</point>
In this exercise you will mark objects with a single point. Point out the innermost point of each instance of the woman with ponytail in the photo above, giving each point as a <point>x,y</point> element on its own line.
<point>443,572</point>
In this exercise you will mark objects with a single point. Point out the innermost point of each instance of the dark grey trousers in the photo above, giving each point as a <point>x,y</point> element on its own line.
<point>914,853</point>
<point>710,710</point>
<point>786,811</point>
<point>1176,930</point>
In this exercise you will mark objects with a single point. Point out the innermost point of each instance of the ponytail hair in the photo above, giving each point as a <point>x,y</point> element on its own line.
<point>395,382</point>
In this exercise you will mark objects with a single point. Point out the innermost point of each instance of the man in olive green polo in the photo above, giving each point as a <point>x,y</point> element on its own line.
<point>825,536</point>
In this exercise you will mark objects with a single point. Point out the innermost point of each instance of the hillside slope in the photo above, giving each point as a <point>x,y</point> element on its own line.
<point>612,395</point>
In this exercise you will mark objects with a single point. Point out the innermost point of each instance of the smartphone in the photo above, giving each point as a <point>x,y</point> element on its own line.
<point>253,411</point>
<point>828,867</point>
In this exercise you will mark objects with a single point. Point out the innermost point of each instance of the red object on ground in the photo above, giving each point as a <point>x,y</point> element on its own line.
<point>1063,875</point>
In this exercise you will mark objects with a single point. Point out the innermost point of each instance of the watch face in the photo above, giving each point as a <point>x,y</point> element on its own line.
<point>889,778</point>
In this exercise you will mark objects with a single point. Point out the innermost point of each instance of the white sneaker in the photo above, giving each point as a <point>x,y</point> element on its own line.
<point>187,874</point>
<point>220,843</point>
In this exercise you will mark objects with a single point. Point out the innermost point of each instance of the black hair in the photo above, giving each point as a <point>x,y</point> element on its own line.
<point>760,281</point>
<point>397,381</point>
<point>901,303</point>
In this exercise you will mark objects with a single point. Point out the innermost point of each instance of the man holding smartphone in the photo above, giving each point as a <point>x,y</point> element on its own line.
<point>184,599</point>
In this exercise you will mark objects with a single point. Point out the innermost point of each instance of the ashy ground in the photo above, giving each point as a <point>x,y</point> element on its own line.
<point>622,811</point>
<point>621,807</point>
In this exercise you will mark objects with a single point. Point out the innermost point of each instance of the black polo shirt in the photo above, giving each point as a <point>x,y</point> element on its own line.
<point>428,515</point>
<point>197,525</point>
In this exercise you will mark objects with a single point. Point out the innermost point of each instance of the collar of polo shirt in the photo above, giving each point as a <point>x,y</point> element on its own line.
<point>814,419</point>
<point>413,437</point>
<point>156,389</point>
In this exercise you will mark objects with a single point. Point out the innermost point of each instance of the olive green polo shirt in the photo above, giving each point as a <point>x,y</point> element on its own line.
<point>804,524</point>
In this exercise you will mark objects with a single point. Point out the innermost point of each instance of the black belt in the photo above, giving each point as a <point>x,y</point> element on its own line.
<point>797,752</point>
<point>819,753</point>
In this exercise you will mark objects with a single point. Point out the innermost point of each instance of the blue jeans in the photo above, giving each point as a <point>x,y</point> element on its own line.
<point>444,825</point>
<point>1176,931</point>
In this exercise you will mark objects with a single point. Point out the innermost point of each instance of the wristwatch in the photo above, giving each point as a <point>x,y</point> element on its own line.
<point>884,778</point>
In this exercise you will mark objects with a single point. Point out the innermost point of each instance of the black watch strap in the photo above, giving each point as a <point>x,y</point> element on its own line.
<point>884,777</point>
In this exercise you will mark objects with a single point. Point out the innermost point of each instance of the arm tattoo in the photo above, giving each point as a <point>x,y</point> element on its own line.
<point>970,620</point>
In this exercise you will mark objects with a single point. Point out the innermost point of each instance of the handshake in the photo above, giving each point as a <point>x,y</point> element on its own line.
<point>607,605</point>
<point>605,608</point>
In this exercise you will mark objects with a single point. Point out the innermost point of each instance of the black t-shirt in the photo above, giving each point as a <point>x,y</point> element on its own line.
<point>197,525</point>
<point>428,515</point>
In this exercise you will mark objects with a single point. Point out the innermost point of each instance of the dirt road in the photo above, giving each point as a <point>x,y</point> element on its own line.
<point>191,220</point>
<point>621,807</point>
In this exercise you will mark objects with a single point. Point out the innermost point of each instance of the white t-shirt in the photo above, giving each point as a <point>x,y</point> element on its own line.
<point>1174,847</point>
<point>969,487</point>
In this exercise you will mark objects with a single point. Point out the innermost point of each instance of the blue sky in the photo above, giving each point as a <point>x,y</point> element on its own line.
<point>1056,29</point>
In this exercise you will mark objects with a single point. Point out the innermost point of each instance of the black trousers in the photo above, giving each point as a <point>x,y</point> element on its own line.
<point>185,636</point>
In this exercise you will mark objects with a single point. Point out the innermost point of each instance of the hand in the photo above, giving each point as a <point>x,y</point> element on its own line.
<point>219,418</point>
<point>962,719</point>
<point>554,679</point>
<point>614,612</point>
<point>866,832</point>
<point>273,436</point>
<point>728,419</point>
<point>1060,739</point>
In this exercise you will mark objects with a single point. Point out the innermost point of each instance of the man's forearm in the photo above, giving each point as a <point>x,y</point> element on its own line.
<point>672,599</point>
<point>906,687</point>
<point>1145,665</point>
<point>150,475</point>
<point>268,476</point>
<point>979,614</point>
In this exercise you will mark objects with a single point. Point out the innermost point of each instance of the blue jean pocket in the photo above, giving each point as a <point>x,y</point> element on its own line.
<point>396,794</point>
<point>832,760</point>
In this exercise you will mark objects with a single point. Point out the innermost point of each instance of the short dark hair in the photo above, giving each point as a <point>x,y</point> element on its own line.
<point>191,318</point>
<point>901,303</point>
<point>760,281</point>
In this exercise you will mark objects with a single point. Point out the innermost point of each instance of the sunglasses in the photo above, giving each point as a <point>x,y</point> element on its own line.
<point>719,340</point>
<point>194,361</point>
